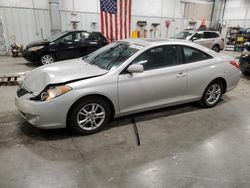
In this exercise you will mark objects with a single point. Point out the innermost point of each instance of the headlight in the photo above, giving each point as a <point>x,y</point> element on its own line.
<point>35,48</point>
<point>54,92</point>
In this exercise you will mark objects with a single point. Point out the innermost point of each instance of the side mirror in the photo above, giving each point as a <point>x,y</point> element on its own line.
<point>194,38</point>
<point>135,68</point>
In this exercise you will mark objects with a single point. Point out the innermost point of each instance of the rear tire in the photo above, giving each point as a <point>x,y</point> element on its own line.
<point>89,115</point>
<point>246,74</point>
<point>216,48</point>
<point>212,94</point>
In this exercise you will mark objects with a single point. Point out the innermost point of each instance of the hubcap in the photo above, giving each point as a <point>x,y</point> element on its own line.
<point>213,94</point>
<point>91,116</point>
<point>47,59</point>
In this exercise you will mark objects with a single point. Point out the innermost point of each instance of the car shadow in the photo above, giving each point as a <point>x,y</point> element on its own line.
<point>30,64</point>
<point>57,134</point>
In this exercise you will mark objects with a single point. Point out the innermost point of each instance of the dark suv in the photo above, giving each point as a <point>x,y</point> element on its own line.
<point>64,45</point>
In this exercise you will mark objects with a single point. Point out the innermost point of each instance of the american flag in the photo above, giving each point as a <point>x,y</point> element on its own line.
<point>116,19</point>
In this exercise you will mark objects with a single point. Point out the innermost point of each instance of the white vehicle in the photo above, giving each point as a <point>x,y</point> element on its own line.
<point>209,39</point>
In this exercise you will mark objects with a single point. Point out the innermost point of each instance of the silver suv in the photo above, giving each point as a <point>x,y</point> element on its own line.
<point>209,39</point>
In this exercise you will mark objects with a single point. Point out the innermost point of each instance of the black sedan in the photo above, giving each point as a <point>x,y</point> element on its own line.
<point>64,45</point>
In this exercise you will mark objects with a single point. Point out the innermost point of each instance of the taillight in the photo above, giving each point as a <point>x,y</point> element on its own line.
<point>235,63</point>
<point>222,40</point>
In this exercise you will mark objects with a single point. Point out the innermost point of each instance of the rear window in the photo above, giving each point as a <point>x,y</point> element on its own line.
<point>210,35</point>
<point>193,55</point>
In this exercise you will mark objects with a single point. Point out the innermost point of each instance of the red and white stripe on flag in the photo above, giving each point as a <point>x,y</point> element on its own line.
<point>117,26</point>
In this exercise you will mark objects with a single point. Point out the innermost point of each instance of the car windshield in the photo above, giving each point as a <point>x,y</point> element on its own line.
<point>112,55</point>
<point>183,35</point>
<point>55,36</point>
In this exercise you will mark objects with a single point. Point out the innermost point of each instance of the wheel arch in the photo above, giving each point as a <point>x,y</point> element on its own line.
<point>49,52</point>
<point>112,108</point>
<point>223,81</point>
<point>218,45</point>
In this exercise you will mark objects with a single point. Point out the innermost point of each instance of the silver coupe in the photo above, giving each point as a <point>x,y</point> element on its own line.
<point>122,78</point>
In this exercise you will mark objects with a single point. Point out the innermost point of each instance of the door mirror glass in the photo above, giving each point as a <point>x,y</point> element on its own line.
<point>135,68</point>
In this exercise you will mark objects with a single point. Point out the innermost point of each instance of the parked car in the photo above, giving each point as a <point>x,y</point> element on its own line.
<point>245,60</point>
<point>123,78</point>
<point>64,45</point>
<point>209,39</point>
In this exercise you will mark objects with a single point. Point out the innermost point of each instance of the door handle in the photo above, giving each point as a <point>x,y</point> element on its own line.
<point>93,43</point>
<point>71,47</point>
<point>181,74</point>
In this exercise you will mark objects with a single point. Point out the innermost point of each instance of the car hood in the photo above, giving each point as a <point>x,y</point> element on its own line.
<point>59,72</point>
<point>37,43</point>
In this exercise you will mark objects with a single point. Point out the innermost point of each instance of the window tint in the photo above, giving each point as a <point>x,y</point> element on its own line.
<point>78,37</point>
<point>193,55</point>
<point>214,35</point>
<point>94,36</point>
<point>85,36</point>
<point>208,35</point>
<point>198,35</point>
<point>101,36</point>
<point>67,38</point>
<point>162,56</point>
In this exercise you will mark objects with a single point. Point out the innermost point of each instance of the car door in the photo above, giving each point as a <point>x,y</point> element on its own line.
<point>65,47</point>
<point>198,38</point>
<point>208,39</point>
<point>201,69</point>
<point>88,43</point>
<point>162,82</point>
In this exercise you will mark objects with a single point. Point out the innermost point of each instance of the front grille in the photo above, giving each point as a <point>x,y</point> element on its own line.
<point>21,92</point>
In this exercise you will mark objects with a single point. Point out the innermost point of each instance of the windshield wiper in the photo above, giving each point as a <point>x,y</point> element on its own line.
<point>112,62</point>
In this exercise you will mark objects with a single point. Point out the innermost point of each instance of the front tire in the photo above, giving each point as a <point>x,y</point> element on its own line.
<point>47,59</point>
<point>212,94</point>
<point>89,115</point>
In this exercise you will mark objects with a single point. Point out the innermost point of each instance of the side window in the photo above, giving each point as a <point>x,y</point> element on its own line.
<point>198,35</point>
<point>214,35</point>
<point>77,37</point>
<point>157,57</point>
<point>193,55</point>
<point>94,36</point>
<point>207,35</point>
<point>84,35</point>
<point>67,39</point>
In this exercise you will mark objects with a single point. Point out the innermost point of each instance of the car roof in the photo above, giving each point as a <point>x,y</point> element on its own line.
<point>207,30</point>
<point>154,41</point>
<point>72,31</point>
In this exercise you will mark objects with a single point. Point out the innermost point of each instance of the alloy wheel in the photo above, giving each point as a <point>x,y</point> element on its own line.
<point>213,94</point>
<point>91,116</point>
